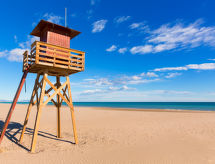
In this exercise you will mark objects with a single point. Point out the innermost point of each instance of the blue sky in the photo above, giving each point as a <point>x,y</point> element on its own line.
<point>135,50</point>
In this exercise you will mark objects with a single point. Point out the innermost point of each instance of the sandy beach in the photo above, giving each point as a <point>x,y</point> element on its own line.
<point>112,136</point>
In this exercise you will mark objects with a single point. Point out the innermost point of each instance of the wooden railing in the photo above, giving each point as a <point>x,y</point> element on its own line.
<point>26,61</point>
<point>51,55</point>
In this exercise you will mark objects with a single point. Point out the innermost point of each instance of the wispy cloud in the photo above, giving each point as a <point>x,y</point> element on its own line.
<point>16,54</point>
<point>98,26</point>
<point>112,48</point>
<point>203,66</point>
<point>171,69</point>
<point>107,90</point>
<point>121,80</point>
<point>91,91</point>
<point>53,18</point>
<point>121,19</point>
<point>13,55</point>
<point>141,49</point>
<point>172,75</point>
<point>3,53</point>
<point>122,50</point>
<point>151,74</point>
<point>104,88</point>
<point>139,26</point>
<point>89,13</point>
<point>98,82</point>
<point>28,42</point>
<point>175,36</point>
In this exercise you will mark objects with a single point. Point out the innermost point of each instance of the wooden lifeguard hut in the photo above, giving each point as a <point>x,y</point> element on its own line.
<point>51,56</point>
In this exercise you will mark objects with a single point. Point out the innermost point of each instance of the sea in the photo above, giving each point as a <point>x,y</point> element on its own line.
<point>202,106</point>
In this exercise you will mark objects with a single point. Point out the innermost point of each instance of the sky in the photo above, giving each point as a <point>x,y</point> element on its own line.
<point>136,50</point>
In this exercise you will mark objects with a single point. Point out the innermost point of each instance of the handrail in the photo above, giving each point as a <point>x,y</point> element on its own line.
<point>52,55</point>
<point>63,48</point>
<point>25,61</point>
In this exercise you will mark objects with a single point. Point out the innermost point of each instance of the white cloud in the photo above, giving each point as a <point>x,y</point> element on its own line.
<point>191,35</point>
<point>151,74</point>
<point>122,19</point>
<point>123,88</point>
<point>97,82</point>
<point>107,90</point>
<point>176,36</point>
<point>171,69</point>
<point>16,54</point>
<point>180,35</point>
<point>122,50</point>
<point>112,48</point>
<point>3,53</point>
<point>120,80</point>
<point>98,26</point>
<point>132,80</point>
<point>163,47</point>
<point>52,18</point>
<point>30,40</point>
<point>139,26</point>
<point>142,81</point>
<point>136,77</point>
<point>172,75</point>
<point>203,66</point>
<point>141,49</point>
<point>13,55</point>
<point>93,91</point>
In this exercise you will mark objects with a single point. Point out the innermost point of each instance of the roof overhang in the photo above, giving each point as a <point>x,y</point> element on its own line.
<point>53,27</point>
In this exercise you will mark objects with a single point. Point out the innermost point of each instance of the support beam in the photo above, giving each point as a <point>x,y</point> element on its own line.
<point>29,107</point>
<point>62,93</point>
<point>13,105</point>
<point>57,91</point>
<point>72,111</point>
<point>36,126</point>
<point>58,109</point>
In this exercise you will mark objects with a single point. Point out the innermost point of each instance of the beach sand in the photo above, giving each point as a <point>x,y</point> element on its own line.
<point>112,136</point>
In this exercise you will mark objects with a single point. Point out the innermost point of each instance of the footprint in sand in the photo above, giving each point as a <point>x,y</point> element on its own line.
<point>1,151</point>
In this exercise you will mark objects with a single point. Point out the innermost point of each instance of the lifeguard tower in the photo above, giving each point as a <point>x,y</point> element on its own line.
<point>51,56</point>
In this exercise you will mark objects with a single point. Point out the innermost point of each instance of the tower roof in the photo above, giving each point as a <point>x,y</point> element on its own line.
<point>53,27</point>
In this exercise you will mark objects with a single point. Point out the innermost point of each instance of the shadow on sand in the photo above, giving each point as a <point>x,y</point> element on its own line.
<point>15,128</point>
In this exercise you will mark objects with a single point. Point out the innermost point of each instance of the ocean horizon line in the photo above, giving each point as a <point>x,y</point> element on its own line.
<point>203,106</point>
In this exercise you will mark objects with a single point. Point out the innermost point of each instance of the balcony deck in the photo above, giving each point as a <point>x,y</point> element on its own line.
<point>55,60</point>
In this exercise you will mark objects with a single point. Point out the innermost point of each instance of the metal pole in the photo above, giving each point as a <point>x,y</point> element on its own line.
<point>65,17</point>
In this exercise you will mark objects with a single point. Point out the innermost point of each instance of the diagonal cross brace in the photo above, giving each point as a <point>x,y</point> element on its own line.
<point>57,91</point>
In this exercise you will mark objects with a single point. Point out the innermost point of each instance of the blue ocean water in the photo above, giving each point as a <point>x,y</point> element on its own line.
<point>203,106</point>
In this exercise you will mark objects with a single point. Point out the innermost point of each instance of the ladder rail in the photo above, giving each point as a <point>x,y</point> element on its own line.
<point>16,97</point>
